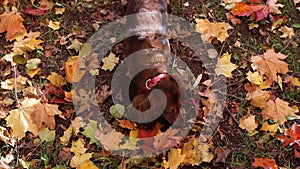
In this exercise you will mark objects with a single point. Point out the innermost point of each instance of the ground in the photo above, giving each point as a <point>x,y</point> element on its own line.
<point>54,144</point>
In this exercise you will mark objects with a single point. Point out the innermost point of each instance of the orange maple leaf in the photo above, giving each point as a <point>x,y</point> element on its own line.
<point>12,24</point>
<point>270,63</point>
<point>242,9</point>
<point>266,163</point>
<point>73,69</point>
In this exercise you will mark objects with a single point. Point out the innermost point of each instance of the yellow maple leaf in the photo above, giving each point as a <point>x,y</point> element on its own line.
<point>75,44</point>
<point>270,127</point>
<point>174,159</point>
<point>78,147</point>
<point>20,119</point>
<point>59,11</point>
<point>258,97</point>
<point>77,161</point>
<point>248,123</point>
<point>110,62</point>
<point>224,66</point>
<point>28,44</point>
<point>12,24</point>
<point>270,63</point>
<point>287,32</point>
<point>66,137</point>
<point>32,73</point>
<point>277,111</point>
<point>255,77</point>
<point>110,141</point>
<point>211,30</point>
<point>196,152</point>
<point>54,25</point>
<point>88,164</point>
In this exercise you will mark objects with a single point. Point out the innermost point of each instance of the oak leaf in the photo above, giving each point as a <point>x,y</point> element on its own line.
<point>211,30</point>
<point>12,24</point>
<point>277,111</point>
<point>224,66</point>
<point>265,163</point>
<point>270,63</point>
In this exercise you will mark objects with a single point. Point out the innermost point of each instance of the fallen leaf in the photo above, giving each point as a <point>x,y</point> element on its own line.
<point>270,63</point>
<point>130,144</point>
<point>47,4</point>
<point>88,164</point>
<point>110,141</point>
<point>287,32</point>
<point>78,147</point>
<point>35,12</point>
<point>77,161</point>
<point>265,163</point>
<point>54,25</point>
<point>44,114</point>
<point>291,136</point>
<point>73,68</point>
<point>75,44</point>
<point>127,124</point>
<point>47,135</point>
<point>59,11</point>
<point>273,128</point>
<point>174,159</point>
<point>255,77</point>
<point>28,44</point>
<point>248,123</point>
<point>12,24</point>
<point>258,97</point>
<point>224,66</point>
<point>222,153</point>
<point>211,30</point>
<point>233,19</point>
<point>32,64</point>
<point>32,73</point>
<point>66,137</point>
<point>196,152</point>
<point>110,62</point>
<point>56,79</point>
<point>277,111</point>
<point>90,130</point>
<point>243,9</point>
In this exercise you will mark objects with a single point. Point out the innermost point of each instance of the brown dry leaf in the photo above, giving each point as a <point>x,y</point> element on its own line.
<point>248,123</point>
<point>110,62</point>
<point>56,79</point>
<point>47,4</point>
<point>174,159</point>
<point>266,163</point>
<point>127,124</point>
<point>211,30</point>
<point>32,73</point>
<point>258,97</point>
<point>277,111</point>
<point>12,24</point>
<point>233,19</point>
<point>75,44</point>
<point>287,32</point>
<point>44,114</point>
<point>270,63</point>
<point>224,66</point>
<point>196,152</point>
<point>73,68</point>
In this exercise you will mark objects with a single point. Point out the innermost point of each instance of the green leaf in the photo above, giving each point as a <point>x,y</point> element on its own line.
<point>117,110</point>
<point>19,59</point>
<point>32,64</point>
<point>47,135</point>
<point>296,25</point>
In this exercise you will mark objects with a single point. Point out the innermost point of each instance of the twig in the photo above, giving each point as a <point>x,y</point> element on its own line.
<point>16,86</point>
<point>232,116</point>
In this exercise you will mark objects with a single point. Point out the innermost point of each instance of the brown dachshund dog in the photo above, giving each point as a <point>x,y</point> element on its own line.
<point>155,50</point>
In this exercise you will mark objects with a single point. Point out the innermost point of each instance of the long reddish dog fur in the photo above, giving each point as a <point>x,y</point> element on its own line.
<point>148,40</point>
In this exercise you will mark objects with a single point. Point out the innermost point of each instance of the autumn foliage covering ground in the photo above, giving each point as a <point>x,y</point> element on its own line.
<point>41,45</point>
